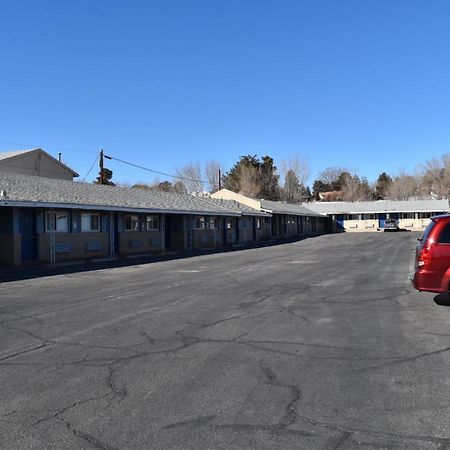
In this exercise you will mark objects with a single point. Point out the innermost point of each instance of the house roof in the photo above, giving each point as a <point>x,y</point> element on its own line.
<point>265,205</point>
<point>288,208</point>
<point>236,206</point>
<point>380,206</point>
<point>6,155</point>
<point>13,154</point>
<point>26,190</point>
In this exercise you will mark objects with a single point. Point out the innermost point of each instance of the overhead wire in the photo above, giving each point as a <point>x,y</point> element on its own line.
<point>93,164</point>
<point>112,158</point>
<point>49,146</point>
<point>156,171</point>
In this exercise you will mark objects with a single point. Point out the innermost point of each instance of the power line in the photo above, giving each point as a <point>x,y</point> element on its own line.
<point>93,164</point>
<point>108,157</point>
<point>156,171</point>
<point>49,146</point>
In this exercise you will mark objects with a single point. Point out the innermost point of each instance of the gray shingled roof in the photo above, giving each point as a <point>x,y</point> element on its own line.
<point>380,206</point>
<point>50,192</point>
<point>288,208</point>
<point>236,206</point>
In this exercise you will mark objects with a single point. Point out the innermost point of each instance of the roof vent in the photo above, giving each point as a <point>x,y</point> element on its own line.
<point>3,194</point>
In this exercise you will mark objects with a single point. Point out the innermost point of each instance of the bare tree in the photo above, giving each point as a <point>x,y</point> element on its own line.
<point>435,181</point>
<point>354,188</point>
<point>299,165</point>
<point>249,181</point>
<point>330,176</point>
<point>404,187</point>
<point>292,191</point>
<point>191,176</point>
<point>212,170</point>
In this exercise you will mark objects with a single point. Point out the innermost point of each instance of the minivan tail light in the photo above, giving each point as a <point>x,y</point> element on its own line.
<point>425,254</point>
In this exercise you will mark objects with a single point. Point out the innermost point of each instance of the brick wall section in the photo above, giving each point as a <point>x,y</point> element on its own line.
<point>204,239</point>
<point>74,246</point>
<point>265,231</point>
<point>355,226</point>
<point>137,242</point>
<point>245,235</point>
<point>10,249</point>
<point>414,224</point>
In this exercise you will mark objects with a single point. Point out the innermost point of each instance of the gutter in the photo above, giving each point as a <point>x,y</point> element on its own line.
<point>5,202</point>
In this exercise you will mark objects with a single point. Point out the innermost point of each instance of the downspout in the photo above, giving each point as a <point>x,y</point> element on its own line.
<point>163,233</point>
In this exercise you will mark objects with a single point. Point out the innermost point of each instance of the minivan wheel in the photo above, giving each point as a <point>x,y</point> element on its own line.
<point>442,299</point>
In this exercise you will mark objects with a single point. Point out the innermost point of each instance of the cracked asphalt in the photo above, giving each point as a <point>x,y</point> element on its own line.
<point>317,344</point>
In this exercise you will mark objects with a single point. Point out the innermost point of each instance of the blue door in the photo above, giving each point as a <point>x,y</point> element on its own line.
<point>382,219</point>
<point>340,223</point>
<point>27,223</point>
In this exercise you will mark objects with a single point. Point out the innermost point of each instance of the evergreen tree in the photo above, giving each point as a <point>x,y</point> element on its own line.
<point>383,185</point>
<point>107,175</point>
<point>254,177</point>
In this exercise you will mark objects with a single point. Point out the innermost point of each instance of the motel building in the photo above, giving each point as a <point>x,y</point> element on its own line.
<point>47,218</point>
<point>412,215</point>
<point>286,220</point>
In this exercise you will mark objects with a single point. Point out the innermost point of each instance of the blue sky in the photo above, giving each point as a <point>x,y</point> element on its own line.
<point>357,83</point>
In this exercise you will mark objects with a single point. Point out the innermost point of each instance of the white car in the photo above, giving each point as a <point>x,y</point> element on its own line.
<point>390,225</point>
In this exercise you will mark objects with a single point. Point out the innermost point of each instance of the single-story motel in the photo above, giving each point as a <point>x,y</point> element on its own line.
<point>47,218</point>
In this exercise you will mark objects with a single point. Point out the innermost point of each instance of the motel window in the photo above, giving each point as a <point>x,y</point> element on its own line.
<point>407,215</point>
<point>200,223</point>
<point>369,216</point>
<point>352,216</point>
<point>229,223</point>
<point>424,215</point>
<point>90,222</point>
<point>151,223</point>
<point>131,223</point>
<point>57,222</point>
<point>213,223</point>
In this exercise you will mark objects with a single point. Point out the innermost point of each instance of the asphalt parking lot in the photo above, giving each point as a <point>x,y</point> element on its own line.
<point>318,344</point>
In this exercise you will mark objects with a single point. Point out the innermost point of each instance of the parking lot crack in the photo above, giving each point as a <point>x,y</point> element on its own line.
<point>92,440</point>
<point>401,360</point>
<point>23,352</point>
<point>344,436</point>
<point>226,319</point>
<point>348,431</point>
<point>290,412</point>
<point>193,423</point>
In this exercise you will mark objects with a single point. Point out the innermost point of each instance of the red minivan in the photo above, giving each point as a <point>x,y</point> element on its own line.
<point>433,257</point>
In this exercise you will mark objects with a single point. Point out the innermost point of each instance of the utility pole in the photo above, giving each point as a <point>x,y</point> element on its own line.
<point>220,179</point>
<point>100,163</point>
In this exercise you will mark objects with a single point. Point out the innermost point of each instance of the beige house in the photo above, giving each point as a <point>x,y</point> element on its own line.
<point>35,162</point>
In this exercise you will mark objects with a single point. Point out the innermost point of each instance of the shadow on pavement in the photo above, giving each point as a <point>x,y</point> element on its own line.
<point>8,273</point>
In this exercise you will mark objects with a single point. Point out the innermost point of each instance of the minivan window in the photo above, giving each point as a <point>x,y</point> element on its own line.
<point>426,233</point>
<point>444,237</point>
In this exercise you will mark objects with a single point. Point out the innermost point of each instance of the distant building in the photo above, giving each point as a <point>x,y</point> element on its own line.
<point>35,162</point>
<point>331,196</point>
<point>288,220</point>
<point>413,215</point>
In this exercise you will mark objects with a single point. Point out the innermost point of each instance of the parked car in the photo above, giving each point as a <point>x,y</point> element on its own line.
<point>390,225</point>
<point>432,268</point>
